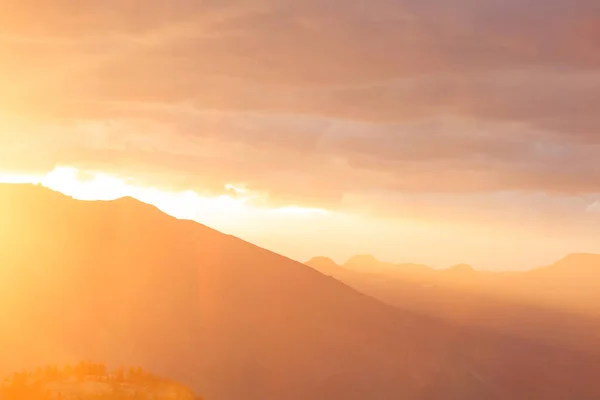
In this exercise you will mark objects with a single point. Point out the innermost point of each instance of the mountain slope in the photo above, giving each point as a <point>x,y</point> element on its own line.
<point>557,304</point>
<point>122,282</point>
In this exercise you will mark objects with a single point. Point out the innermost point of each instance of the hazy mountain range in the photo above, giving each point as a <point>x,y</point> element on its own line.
<point>122,282</point>
<point>558,304</point>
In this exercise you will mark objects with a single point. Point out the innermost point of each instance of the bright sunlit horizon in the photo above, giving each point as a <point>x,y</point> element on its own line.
<point>318,130</point>
<point>237,213</point>
<point>187,204</point>
<point>298,232</point>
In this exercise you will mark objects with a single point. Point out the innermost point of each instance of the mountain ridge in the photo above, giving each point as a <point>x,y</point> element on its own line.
<point>558,303</point>
<point>588,259</point>
<point>128,284</point>
<point>232,274</point>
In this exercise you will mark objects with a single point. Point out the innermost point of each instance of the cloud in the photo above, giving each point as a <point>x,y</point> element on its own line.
<point>594,207</point>
<point>308,101</point>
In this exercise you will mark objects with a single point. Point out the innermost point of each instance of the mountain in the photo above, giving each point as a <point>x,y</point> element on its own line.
<point>369,264</point>
<point>558,304</point>
<point>121,281</point>
<point>327,266</point>
<point>462,269</point>
<point>582,269</point>
<point>572,283</point>
<point>363,261</point>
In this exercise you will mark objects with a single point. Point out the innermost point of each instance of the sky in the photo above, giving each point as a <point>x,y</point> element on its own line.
<point>433,131</point>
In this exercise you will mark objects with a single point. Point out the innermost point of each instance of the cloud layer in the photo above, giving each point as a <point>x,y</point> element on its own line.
<point>310,101</point>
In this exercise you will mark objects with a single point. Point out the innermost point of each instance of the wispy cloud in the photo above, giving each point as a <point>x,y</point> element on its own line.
<point>594,207</point>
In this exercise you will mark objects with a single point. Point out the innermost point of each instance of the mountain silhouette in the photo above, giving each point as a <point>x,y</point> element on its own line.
<point>370,264</point>
<point>363,260</point>
<point>460,269</point>
<point>327,266</point>
<point>579,267</point>
<point>573,281</point>
<point>121,281</point>
<point>559,303</point>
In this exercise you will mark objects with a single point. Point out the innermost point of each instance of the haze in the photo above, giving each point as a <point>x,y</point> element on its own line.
<point>300,199</point>
<point>123,284</point>
<point>392,128</point>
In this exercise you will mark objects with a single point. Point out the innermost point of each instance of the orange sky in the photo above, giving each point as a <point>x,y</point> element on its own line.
<point>427,131</point>
<point>300,232</point>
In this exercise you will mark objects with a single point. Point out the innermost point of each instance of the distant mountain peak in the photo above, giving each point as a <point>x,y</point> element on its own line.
<point>321,260</point>
<point>322,263</point>
<point>461,268</point>
<point>362,259</point>
<point>574,266</point>
<point>325,265</point>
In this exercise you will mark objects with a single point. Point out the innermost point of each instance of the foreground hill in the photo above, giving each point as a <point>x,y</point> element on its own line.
<point>559,303</point>
<point>91,381</point>
<point>123,282</point>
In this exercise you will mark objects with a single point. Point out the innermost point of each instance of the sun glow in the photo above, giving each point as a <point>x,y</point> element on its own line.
<point>84,185</point>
